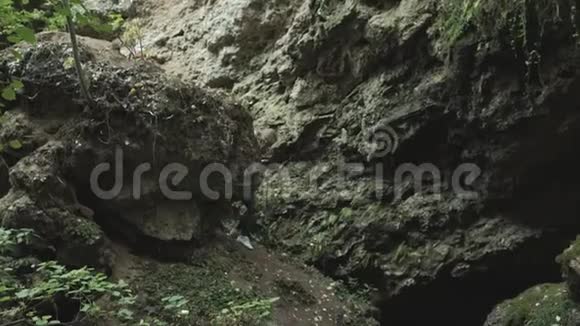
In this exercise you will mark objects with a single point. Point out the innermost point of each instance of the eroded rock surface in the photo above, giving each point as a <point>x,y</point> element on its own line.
<point>345,94</point>
<point>104,7</point>
<point>326,79</point>
<point>136,115</point>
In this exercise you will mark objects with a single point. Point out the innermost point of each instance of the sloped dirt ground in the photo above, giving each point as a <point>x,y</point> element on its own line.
<point>227,268</point>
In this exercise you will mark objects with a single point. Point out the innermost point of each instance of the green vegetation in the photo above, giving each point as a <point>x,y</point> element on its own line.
<point>10,238</point>
<point>456,17</point>
<point>572,252</point>
<point>41,296</point>
<point>204,293</point>
<point>547,304</point>
<point>81,230</point>
<point>568,261</point>
<point>10,90</point>
<point>522,22</point>
<point>20,20</point>
<point>132,39</point>
<point>252,312</point>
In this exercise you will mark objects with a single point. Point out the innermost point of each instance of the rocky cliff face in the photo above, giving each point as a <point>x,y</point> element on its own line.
<point>345,93</point>
<point>94,182</point>
<point>424,149</point>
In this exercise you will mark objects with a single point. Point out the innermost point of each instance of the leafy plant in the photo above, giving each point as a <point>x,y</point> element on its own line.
<point>52,280</point>
<point>248,313</point>
<point>15,22</point>
<point>174,302</point>
<point>13,26</point>
<point>9,91</point>
<point>19,23</point>
<point>9,238</point>
<point>488,17</point>
<point>457,17</point>
<point>132,39</point>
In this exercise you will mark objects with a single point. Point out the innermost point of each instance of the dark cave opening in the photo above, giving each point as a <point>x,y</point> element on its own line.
<point>468,301</point>
<point>61,308</point>
<point>68,310</point>
<point>544,195</point>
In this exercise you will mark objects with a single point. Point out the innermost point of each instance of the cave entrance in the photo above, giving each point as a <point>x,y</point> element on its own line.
<point>468,301</point>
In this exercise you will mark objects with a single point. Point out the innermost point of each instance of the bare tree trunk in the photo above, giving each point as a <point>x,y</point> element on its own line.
<point>77,58</point>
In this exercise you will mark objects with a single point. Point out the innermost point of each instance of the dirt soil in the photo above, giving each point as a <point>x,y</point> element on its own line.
<point>305,297</point>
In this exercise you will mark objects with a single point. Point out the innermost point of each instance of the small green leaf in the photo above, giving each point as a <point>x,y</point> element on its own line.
<point>82,20</point>
<point>14,39</point>
<point>26,34</point>
<point>17,84</point>
<point>15,144</point>
<point>62,11</point>
<point>68,63</point>
<point>23,294</point>
<point>8,93</point>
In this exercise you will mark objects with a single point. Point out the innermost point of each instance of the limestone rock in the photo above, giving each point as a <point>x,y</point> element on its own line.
<point>137,116</point>
<point>179,221</point>
<point>105,7</point>
<point>332,79</point>
<point>76,240</point>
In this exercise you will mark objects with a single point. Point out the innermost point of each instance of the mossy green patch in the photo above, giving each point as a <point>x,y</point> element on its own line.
<point>570,253</point>
<point>82,230</point>
<point>568,261</point>
<point>211,296</point>
<point>523,22</point>
<point>547,304</point>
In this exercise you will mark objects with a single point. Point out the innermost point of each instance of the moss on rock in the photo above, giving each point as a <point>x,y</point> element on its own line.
<point>489,18</point>
<point>570,264</point>
<point>546,304</point>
